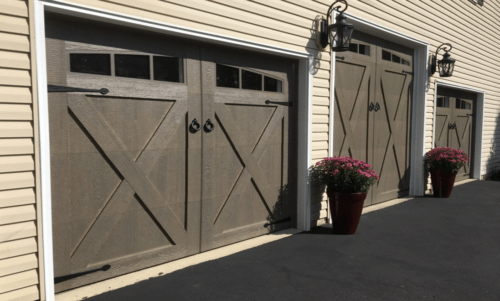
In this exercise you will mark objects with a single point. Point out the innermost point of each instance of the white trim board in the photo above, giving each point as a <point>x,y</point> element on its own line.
<point>304,101</point>
<point>43,124</point>
<point>420,80</point>
<point>478,123</point>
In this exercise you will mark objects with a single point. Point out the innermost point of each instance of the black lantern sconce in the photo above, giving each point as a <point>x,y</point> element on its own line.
<point>339,34</point>
<point>446,65</point>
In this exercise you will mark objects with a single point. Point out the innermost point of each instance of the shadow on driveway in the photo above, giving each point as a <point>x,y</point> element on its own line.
<point>423,249</point>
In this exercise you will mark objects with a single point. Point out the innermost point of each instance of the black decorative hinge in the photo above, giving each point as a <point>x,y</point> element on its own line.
<point>71,276</point>
<point>283,103</point>
<point>60,89</point>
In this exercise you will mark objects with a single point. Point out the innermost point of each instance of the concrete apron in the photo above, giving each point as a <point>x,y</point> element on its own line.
<point>98,288</point>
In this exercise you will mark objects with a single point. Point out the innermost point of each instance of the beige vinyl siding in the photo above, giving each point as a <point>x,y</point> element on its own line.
<point>24,294</point>
<point>17,231</point>
<point>19,260</point>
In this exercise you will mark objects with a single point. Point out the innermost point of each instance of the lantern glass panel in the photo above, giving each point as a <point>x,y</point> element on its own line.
<point>445,68</point>
<point>340,37</point>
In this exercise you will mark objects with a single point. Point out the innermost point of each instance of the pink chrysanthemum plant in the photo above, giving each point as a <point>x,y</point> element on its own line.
<point>446,159</point>
<point>344,174</point>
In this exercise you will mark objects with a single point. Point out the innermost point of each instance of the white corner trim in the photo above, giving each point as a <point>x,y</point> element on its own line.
<point>478,123</point>
<point>331,128</point>
<point>419,107</point>
<point>304,102</point>
<point>305,144</point>
<point>419,111</point>
<point>43,124</point>
<point>333,59</point>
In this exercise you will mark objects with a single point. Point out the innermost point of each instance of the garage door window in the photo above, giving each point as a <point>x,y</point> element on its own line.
<point>387,56</point>
<point>463,104</point>
<point>360,48</point>
<point>229,77</point>
<point>133,66</point>
<point>272,84</point>
<point>251,80</point>
<point>90,63</point>
<point>168,69</point>
<point>443,102</point>
<point>165,68</point>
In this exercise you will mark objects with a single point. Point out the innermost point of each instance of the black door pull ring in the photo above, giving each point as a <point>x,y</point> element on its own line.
<point>209,126</point>
<point>195,125</point>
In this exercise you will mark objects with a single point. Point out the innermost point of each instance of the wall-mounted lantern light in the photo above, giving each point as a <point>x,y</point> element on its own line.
<point>339,34</point>
<point>446,65</point>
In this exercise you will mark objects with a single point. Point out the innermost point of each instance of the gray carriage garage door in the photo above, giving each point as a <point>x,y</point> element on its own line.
<point>454,123</point>
<point>373,110</point>
<point>190,150</point>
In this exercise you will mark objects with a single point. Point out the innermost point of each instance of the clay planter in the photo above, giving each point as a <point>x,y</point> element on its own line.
<point>346,211</point>
<point>442,182</point>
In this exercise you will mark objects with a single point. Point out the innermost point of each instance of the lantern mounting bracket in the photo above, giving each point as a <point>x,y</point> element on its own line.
<point>434,62</point>
<point>332,8</point>
<point>338,34</point>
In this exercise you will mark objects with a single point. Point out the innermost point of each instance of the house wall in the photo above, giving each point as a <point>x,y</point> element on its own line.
<point>18,202</point>
<point>286,24</point>
<point>473,31</point>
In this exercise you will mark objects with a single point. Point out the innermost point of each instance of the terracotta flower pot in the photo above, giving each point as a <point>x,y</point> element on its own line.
<point>442,182</point>
<point>346,211</point>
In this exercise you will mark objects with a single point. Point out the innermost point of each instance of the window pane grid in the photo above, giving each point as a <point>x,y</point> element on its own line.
<point>137,66</point>
<point>232,77</point>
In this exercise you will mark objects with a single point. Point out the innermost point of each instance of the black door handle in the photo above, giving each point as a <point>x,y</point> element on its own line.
<point>209,126</point>
<point>371,106</point>
<point>377,107</point>
<point>195,126</point>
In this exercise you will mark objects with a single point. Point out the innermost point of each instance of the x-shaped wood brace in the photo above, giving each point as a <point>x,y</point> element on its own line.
<point>250,160</point>
<point>133,172</point>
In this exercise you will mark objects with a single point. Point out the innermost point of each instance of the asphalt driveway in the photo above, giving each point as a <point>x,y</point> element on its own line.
<point>423,249</point>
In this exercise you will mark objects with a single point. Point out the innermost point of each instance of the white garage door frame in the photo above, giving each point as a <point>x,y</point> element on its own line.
<point>419,103</point>
<point>305,75</point>
<point>478,123</point>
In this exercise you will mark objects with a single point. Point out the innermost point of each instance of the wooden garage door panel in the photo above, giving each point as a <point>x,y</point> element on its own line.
<point>462,138</point>
<point>391,129</point>
<point>351,122</point>
<point>135,224</point>
<point>245,161</point>
<point>441,124</point>
<point>124,165</point>
<point>130,177</point>
<point>234,184</point>
<point>133,188</point>
<point>372,112</point>
<point>459,136</point>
